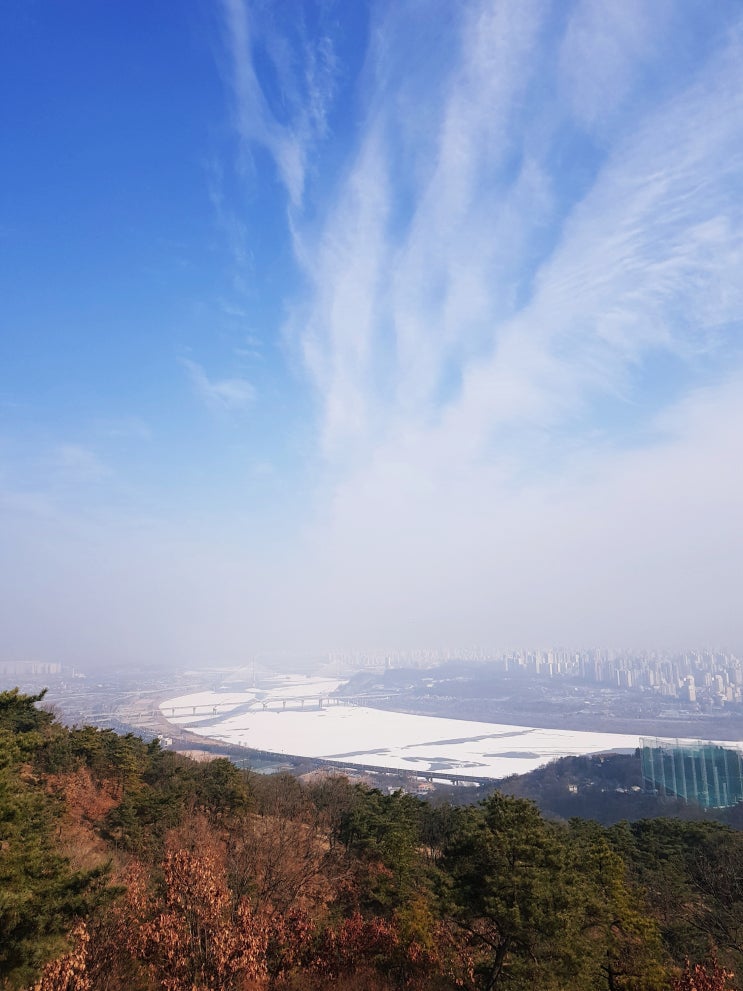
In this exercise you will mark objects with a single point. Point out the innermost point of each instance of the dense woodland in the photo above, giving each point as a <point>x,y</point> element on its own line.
<point>123,866</point>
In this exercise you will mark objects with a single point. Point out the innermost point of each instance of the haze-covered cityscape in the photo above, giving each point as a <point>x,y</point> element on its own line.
<point>376,711</point>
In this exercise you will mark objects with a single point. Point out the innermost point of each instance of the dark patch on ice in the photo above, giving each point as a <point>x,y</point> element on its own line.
<point>214,719</point>
<point>357,753</point>
<point>467,739</point>
<point>443,763</point>
<point>526,754</point>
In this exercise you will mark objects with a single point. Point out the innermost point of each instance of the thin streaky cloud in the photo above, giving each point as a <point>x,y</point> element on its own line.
<point>232,228</point>
<point>78,462</point>
<point>647,260</point>
<point>288,142</point>
<point>603,46</point>
<point>124,428</point>
<point>219,395</point>
<point>514,309</point>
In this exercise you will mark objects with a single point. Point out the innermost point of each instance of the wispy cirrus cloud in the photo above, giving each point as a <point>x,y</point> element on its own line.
<point>604,51</point>
<point>520,320</point>
<point>78,461</point>
<point>219,395</point>
<point>418,251</point>
<point>124,428</point>
<point>305,81</point>
<point>485,288</point>
<point>506,293</point>
<point>232,227</point>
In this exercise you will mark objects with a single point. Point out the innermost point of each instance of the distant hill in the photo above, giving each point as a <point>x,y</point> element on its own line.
<point>607,788</point>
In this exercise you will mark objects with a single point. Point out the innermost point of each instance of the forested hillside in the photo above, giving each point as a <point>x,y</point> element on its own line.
<point>607,788</point>
<point>123,866</point>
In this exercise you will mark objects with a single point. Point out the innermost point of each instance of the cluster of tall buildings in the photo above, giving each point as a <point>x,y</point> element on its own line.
<point>27,669</point>
<point>695,676</point>
<point>702,677</point>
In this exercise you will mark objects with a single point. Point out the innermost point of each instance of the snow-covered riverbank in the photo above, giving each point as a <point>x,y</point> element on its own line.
<point>287,718</point>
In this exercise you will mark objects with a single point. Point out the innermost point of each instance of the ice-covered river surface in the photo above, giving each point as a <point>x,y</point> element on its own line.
<point>297,717</point>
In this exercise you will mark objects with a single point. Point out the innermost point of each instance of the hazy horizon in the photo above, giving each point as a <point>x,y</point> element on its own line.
<point>408,325</point>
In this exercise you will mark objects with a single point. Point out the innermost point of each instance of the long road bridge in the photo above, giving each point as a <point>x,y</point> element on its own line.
<point>207,709</point>
<point>215,708</point>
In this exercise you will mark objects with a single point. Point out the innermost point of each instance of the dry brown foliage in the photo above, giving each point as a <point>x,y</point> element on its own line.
<point>86,798</point>
<point>703,977</point>
<point>69,972</point>
<point>86,803</point>
<point>194,936</point>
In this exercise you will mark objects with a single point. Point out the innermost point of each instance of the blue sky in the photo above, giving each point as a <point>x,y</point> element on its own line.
<point>342,325</point>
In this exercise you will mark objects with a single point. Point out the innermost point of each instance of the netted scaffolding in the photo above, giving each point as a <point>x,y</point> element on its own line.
<point>705,774</point>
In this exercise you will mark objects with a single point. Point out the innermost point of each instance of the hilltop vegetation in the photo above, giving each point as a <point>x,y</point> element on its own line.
<point>607,788</point>
<point>123,866</point>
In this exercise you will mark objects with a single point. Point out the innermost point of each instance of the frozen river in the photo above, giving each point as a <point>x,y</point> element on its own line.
<point>287,718</point>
